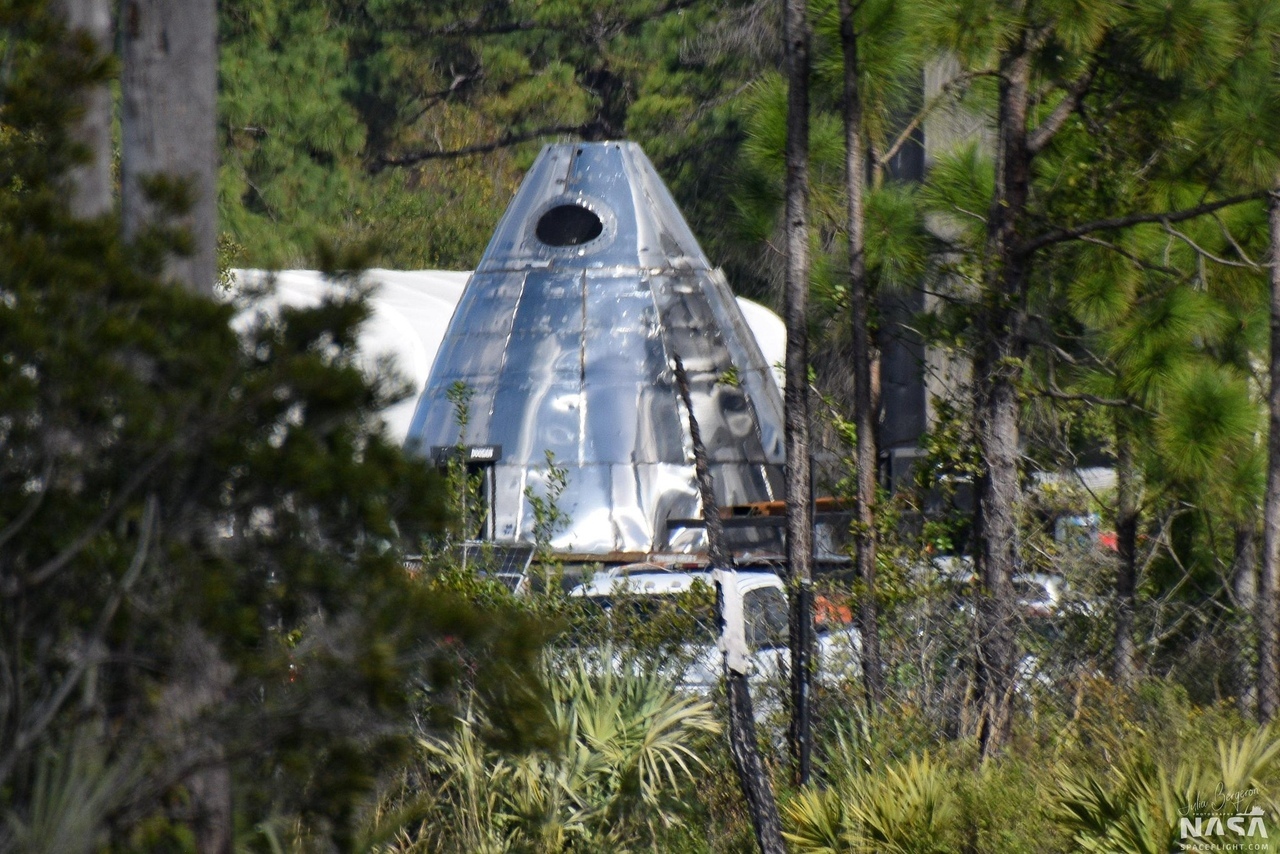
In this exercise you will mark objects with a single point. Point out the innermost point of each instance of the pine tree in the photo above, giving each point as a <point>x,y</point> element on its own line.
<point>1061,73</point>
<point>201,581</point>
<point>869,35</point>
<point>799,486</point>
<point>884,244</point>
<point>1268,617</point>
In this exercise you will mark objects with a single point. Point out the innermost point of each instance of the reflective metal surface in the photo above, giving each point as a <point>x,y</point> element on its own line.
<point>564,340</point>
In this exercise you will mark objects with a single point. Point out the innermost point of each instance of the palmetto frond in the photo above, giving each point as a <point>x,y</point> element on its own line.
<point>1243,761</point>
<point>908,810</point>
<point>817,822</point>
<point>622,741</point>
<point>1139,808</point>
<point>902,809</point>
<point>76,785</point>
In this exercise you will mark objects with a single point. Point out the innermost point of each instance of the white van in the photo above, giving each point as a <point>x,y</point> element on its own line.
<point>755,599</point>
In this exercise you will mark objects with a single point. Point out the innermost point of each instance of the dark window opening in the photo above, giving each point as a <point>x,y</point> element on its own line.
<point>568,225</point>
<point>767,618</point>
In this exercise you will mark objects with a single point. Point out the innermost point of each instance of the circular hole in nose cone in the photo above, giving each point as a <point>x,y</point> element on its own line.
<point>568,225</point>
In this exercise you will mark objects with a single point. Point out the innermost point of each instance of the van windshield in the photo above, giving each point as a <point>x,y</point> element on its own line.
<point>689,616</point>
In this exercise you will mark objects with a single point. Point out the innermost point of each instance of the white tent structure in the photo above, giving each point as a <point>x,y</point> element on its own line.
<point>411,310</point>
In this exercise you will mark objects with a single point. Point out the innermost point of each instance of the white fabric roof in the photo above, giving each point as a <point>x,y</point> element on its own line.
<point>411,310</point>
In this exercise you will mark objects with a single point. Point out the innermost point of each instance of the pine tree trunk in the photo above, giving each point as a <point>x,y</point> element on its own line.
<point>1269,581</point>
<point>751,771</point>
<point>865,411</point>
<point>168,181</point>
<point>197,689</point>
<point>89,184</point>
<point>1125,662</point>
<point>169,145</point>
<point>1244,590</point>
<point>743,747</point>
<point>799,486</point>
<point>997,371</point>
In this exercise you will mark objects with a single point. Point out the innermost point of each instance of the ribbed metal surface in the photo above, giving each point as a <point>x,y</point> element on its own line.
<point>567,348</point>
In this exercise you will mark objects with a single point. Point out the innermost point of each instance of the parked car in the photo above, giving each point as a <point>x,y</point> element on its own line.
<point>1038,594</point>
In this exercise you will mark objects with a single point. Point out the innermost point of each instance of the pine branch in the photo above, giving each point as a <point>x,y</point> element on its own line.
<point>479,27</point>
<point>946,93</point>
<point>41,717</point>
<point>505,141</point>
<point>59,561</point>
<point>474,28</point>
<point>1205,253</point>
<point>1078,397</point>
<point>1055,121</point>
<point>1129,256</point>
<point>1230,238</point>
<point>1062,235</point>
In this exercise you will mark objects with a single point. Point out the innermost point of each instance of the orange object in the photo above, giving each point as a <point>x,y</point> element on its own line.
<point>827,612</point>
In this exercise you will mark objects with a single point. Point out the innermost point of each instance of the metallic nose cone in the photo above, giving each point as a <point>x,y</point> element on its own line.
<point>562,342</point>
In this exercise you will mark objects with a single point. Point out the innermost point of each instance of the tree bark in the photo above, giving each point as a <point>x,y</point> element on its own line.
<point>1125,662</point>
<point>199,686</point>
<point>866,416</point>
<point>743,747</point>
<point>89,184</point>
<point>1269,580</point>
<point>799,488</point>
<point>168,185</point>
<point>997,370</point>
<point>751,772</point>
<point>169,145</point>
<point>1244,592</point>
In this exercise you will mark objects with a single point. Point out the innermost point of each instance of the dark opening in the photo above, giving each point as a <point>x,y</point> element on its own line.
<point>568,225</point>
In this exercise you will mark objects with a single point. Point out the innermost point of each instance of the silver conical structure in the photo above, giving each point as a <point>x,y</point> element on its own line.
<point>563,341</point>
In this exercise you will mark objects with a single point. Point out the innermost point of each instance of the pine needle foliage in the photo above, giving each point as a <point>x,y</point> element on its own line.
<point>188,500</point>
<point>1198,37</point>
<point>1210,421</point>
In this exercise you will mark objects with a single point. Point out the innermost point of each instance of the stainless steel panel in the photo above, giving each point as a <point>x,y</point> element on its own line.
<point>623,355</point>
<point>662,433</point>
<point>641,227</point>
<point>509,503</point>
<point>587,503</point>
<point>532,358</point>
<point>619,301</point>
<point>566,334</point>
<point>631,518</point>
<point>612,424</point>
<point>531,418</point>
<point>671,492</point>
<point>727,423</point>
<point>488,305</point>
<point>469,358</point>
<point>551,302</point>
<point>436,420</point>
